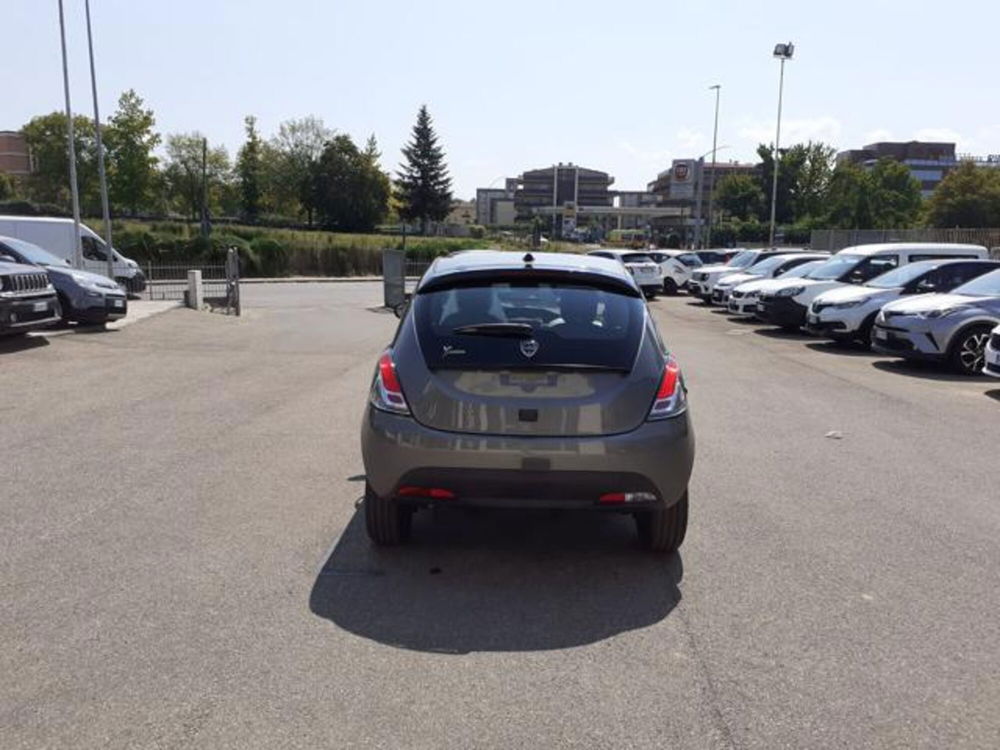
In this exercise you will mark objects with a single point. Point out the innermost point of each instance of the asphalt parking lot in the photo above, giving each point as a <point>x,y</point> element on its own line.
<point>183,564</point>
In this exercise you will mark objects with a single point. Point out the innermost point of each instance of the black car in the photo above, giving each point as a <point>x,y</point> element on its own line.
<point>83,296</point>
<point>27,299</point>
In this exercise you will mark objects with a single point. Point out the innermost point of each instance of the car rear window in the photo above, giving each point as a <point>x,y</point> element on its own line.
<point>637,258</point>
<point>559,325</point>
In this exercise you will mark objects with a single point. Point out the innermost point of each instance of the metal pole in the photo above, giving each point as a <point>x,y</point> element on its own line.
<point>204,188</point>
<point>698,183</point>
<point>715,140</point>
<point>102,176</point>
<point>74,193</point>
<point>777,153</point>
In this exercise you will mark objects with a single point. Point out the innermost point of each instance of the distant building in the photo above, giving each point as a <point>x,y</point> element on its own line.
<point>463,213</point>
<point>570,200</point>
<point>687,187</point>
<point>495,206</point>
<point>15,159</point>
<point>928,162</point>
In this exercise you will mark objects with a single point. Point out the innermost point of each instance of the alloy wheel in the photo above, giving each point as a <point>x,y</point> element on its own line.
<point>972,352</point>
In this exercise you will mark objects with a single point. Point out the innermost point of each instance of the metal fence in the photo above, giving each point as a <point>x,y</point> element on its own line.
<point>837,239</point>
<point>170,282</point>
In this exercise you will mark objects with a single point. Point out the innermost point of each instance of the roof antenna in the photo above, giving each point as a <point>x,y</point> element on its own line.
<point>528,258</point>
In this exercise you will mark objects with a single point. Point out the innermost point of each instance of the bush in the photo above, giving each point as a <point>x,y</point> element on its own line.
<point>271,256</point>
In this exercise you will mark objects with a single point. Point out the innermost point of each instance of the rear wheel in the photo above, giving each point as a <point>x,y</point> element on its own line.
<point>663,529</point>
<point>968,353</point>
<point>386,521</point>
<point>669,287</point>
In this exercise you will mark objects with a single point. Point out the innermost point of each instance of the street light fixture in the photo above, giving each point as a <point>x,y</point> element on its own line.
<point>783,52</point>
<point>715,138</point>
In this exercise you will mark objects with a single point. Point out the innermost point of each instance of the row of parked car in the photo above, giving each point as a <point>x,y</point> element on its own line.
<point>920,301</point>
<point>40,287</point>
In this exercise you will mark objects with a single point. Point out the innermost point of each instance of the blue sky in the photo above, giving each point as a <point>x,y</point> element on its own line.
<point>515,85</point>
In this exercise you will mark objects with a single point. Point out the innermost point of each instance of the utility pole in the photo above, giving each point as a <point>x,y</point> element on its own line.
<point>206,228</point>
<point>698,183</point>
<point>102,176</point>
<point>715,141</point>
<point>74,191</point>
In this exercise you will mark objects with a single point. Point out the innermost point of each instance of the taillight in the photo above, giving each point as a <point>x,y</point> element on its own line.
<point>387,393</point>
<point>670,398</point>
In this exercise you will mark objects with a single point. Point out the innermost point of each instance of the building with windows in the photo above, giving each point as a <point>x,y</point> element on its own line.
<point>686,188</point>
<point>15,159</point>
<point>928,162</point>
<point>495,206</point>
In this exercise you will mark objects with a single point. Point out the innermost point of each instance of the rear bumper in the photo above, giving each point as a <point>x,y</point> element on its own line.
<point>781,311</point>
<point>18,315</point>
<point>537,472</point>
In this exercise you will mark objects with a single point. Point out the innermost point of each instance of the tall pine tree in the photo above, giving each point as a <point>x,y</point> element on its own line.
<point>423,187</point>
<point>248,168</point>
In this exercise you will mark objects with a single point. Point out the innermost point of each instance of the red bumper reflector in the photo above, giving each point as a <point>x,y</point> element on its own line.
<point>435,493</point>
<point>612,498</point>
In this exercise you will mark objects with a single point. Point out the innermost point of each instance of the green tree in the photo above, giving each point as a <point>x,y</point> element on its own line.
<point>46,136</point>
<point>248,172</point>
<point>739,195</point>
<point>130,140</point>
<point>884,197</point>
<point>803,178</point>
<point>422,184</point>
<point>6,186</point>
<point>183,175</point>
<point>969,196</point>
<point>290,160</point>
<point>350,191</point>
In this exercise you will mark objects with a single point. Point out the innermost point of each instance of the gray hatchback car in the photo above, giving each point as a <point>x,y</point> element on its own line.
<point>528,381</point>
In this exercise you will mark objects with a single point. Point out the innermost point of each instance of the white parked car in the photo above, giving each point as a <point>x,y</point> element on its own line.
<point>771,268</point>
<point>992,354</point>
<point>743,298</point>
<point>848,313</point>
<point>646,271</point>
<point>704,279</point>
<point>677,265</point>
<point>785,305</point>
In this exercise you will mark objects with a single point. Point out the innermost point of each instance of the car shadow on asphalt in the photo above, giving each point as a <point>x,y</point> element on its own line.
<point>843,348</point>
<point>994,394</point>
<point>12,344</point>
<point>925,371</point>
<point>484,580</point>
<point>781,333</point>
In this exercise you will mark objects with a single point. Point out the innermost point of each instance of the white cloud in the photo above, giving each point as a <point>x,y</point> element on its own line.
<point>938,134</point>
<point>645,156</point>
<point>877,135</point>
<point>692,140</point>
<point>824,128</point>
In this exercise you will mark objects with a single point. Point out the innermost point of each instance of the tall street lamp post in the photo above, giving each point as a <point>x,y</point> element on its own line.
<point>71,146</point>
<point>783,52</point>
<point>711,187</point>
<point>105,208</point>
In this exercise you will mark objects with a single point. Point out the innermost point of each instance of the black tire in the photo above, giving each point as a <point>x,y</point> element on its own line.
<point>386,521</point>
<point>968,351</point>
<point>663,530</point>
<point>864,336</point>
<point>669,287</point>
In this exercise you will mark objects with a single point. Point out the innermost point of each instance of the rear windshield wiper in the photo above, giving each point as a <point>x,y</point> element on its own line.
<point>516,330</point>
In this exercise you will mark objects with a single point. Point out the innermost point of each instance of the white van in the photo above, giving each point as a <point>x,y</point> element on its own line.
<point>56,236</point>
<point>785,304</point>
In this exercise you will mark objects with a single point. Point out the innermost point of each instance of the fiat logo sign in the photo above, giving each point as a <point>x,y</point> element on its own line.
<point>681,171</point>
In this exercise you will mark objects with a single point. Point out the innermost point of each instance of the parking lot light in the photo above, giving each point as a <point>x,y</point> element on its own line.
<point>783,52</point>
